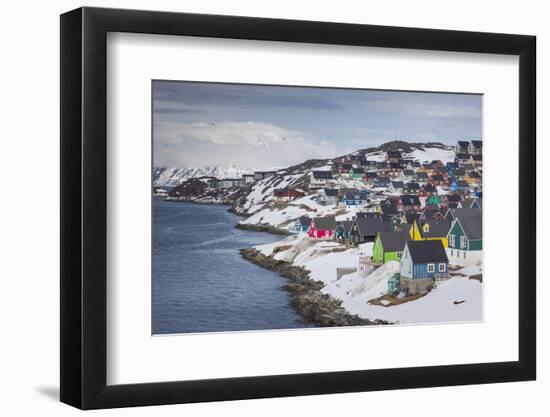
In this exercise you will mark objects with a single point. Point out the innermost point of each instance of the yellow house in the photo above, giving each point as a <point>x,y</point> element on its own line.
<point>432,229</point>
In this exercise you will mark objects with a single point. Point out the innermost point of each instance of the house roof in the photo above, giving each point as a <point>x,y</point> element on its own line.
<point>467,203</point>
<point>331,192</point>
<point>454,198</point>
<point>304,221</point>
<point>412,186</point>
<point>410,200</point>
<point>427,251</point>
<point>463,156</point>
<point>431,213</point>
<point>355,195</point>
<point>382,181</point>
<point>463,143</point>
<point>326,223</point>
<point>394,241</point>
<point>472,227</point>
<point>397,184</point>
<point>322,175</point>
<point>394,165</point>
<point>463,213</point>
<point>430,188</point>
<point>477,157</point>
<point>437,177</point>
<point>346,225</point>
<point>371,226</point>
<point>422,175</point>
<point>437,228</point>
<point>477,144</point>
<point>408,172</point>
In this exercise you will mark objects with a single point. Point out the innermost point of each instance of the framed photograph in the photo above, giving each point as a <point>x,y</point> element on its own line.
<point>256,208</point>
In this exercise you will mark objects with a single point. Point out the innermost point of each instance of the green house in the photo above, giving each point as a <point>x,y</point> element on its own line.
<point>342,230</point>
<point>389,246</point>
<point>432,200</point>
<point>465,241</point>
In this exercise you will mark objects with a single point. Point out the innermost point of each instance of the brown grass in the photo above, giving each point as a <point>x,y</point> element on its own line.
<point>477,277</point>
<point>394,301</point>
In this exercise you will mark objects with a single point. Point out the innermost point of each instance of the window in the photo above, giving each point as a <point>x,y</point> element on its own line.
<point>398,255</point>
<point>431,268</point>
<point>464,254</point>
<point>462,242</point>
<point>452,240</point>
<point>452,254</point>
<point>441,267</point>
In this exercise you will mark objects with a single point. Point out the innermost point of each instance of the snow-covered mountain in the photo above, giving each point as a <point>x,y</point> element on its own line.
<point>170,176</point>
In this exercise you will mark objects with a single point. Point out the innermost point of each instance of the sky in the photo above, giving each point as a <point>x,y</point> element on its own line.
<point>257,126</point>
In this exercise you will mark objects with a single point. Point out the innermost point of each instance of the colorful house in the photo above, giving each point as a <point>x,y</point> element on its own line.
<point>365,229</point>
<point>343,229</point>
<point>322,228</point>
<point>433,229</point>
<point>465,241</point>
<point>300,225</point>
<point>423,262</point>
<point>355,198</point>
<point>389,246</point>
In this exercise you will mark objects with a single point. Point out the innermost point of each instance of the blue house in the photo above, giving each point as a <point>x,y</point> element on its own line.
<point>354,198</point>
<point>454,187</point>
<point>422,264</point>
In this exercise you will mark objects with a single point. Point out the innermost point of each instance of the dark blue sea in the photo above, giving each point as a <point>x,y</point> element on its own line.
<point>200,281</point>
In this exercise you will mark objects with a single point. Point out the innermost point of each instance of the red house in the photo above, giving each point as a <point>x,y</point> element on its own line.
<point>287,193</point>
<point>322,228</point>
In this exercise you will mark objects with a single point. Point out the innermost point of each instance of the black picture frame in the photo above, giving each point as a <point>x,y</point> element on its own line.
<point>84,207</point>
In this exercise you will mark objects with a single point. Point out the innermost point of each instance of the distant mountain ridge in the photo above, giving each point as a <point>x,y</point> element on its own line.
<point>172,176</point>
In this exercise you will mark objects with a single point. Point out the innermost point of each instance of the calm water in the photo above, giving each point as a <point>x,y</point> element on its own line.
<point>201,283</point>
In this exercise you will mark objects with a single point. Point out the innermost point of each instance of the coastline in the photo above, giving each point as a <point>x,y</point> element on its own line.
<point>306,297</point>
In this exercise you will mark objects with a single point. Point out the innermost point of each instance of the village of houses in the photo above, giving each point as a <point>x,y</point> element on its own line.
<point>394,235</point>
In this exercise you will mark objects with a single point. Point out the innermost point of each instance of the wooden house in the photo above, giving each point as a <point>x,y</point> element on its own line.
<point>381,182</point>
<point>320,179</point>
<point>389,246</point>
<point>365,229</point>
<point>354,198</point>
<point>476,147</point>
<point>432,229</point>
<point>287,194</point>
<point>422,177</point>
<point>300,225</point>
<point>322,228</point>
<point>465,241</point>
<point>343,229</point>
<point>411,188</point>
<point>410,202</point>
<point>463,146</point>
<point>422,264</point>
<point>328,196</point>
<point>396,187</point>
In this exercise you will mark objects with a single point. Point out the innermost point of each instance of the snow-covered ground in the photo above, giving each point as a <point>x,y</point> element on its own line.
<point>322,258</point>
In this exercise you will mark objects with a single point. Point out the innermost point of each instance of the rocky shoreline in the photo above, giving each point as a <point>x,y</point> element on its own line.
<point>306,296</point>
<point>262,228</point>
